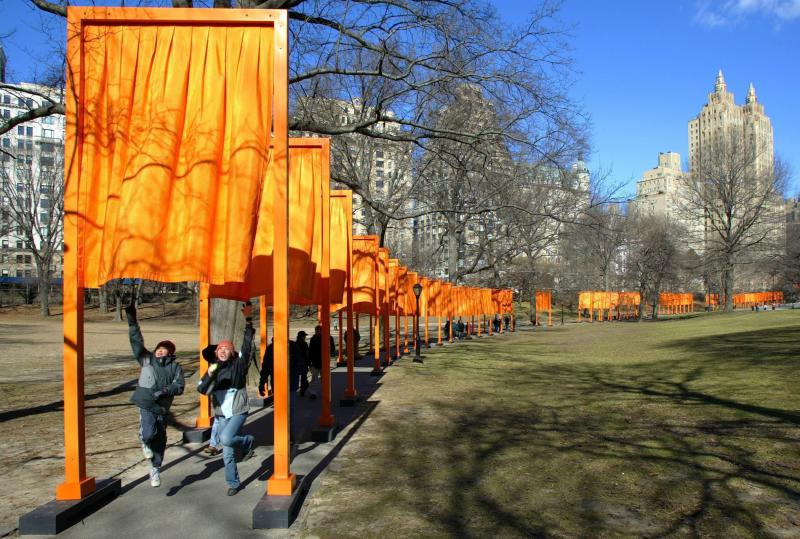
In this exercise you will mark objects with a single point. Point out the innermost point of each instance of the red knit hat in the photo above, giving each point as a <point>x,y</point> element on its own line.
<point>226,344</point>
<point>169,345</point>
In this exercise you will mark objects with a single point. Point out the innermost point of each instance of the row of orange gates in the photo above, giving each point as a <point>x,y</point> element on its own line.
<point>167,181</point>
<point>747,299</point>
<point>599,305</point>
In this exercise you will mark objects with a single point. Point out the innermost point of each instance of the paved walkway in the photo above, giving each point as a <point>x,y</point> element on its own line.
<point>192,500</point>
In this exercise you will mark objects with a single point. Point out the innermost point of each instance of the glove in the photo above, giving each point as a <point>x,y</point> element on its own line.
<point>261,392</point>
<point>213,367</point>
<point>159,393</point>
<point>130,307</point>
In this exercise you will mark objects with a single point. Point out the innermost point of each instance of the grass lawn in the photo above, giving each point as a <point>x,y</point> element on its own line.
<point>677,428</point>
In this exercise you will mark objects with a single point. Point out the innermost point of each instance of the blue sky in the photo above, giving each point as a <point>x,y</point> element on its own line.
<point>643,68</point>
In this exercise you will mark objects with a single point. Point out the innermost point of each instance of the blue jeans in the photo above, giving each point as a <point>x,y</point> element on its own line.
<point>214,441</point>
<point>231,440</point>
<point>153,432</point>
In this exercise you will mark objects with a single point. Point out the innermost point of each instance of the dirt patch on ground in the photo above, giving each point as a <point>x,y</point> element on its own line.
<point>31,412</point>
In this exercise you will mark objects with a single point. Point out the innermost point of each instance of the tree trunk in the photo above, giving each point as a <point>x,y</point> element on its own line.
<point>642,303</point>
<point>226,322</point>
<point>43,277</point>
<point>452,247</point>
<point>118,306</point>
<point>728,279</point>
<point>103,299</point>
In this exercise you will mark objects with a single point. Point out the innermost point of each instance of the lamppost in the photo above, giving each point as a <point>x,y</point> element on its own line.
<point>417,288</point>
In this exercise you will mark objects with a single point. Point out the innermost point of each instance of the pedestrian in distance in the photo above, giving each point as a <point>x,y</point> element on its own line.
<point>298,370</point>
<point>316,361</point>
<point>226,383</point>
<point>160,379</point>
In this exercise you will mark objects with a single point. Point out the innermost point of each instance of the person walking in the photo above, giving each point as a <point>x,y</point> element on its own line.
<point>160,379</point>
<point>298,370</point>
<point>315,359</point>
<point>226,382</point>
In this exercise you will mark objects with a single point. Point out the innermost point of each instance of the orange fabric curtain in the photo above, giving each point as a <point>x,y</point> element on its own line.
<point>383,279</point>
<point>308,181</point>
<point>394,288</point>
<point>174,146</point>
<point>341,244</point>
<point>365,272</point>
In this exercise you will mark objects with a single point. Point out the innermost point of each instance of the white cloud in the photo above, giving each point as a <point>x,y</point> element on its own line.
<point>723,12</point>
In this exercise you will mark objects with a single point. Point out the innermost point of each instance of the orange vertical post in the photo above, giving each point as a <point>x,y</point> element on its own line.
<point>282,481</point>
<point>405,341</point>
<point>350,389</point>
<point>204,419</point>
<point>439,325</point>
<point>326,418</point>
<point>340,360</point>
<point>76,484</point>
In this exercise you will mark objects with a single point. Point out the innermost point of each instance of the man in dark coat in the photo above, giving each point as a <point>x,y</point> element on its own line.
<point>315,358</point>
<point>160,379</point>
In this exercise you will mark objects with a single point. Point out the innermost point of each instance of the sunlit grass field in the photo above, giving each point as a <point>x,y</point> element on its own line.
<point>677,428</point>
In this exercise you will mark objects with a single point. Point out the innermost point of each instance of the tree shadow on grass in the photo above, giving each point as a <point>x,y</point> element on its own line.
<point>632,450</point>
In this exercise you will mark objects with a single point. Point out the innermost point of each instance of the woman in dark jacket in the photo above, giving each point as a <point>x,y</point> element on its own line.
<point>160,379</point>
<point>226,382</point>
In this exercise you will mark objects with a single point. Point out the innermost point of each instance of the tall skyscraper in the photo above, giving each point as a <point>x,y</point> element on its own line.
<point>720,115</point>
<point>717,135</point>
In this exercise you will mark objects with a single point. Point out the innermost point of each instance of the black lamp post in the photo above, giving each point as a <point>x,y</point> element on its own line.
<point>417,288</point>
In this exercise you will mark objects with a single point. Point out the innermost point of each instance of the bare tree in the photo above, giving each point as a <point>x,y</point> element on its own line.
<point>33,206</point>
<point>601,237</point>
<point>735,195</point>
<point>652,257</point>
<point>406,60</point>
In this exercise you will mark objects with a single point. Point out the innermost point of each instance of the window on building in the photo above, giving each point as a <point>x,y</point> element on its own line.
<point>27,273</point>
<point>5,244</point>
<point>47,133</point>
<point>6,99</point>
<point>6,143</point>
<point>20,102</point>
<point>6,114</point>
<point>29,131</point>
<point>20,259</point>
<point>19,244</point>
<point>44,203</point>
<point>5,273</point>
<point>379,173</point>
<point>379,163</point>
<point>19,273</point>
<point>379,184</point>
<point>3,259</point>
<point>21,130</point>
<point>379,153</point>
<point>20,144</point>
<point>44,218</point>
<point>27,259</point>
<point>28,245</point>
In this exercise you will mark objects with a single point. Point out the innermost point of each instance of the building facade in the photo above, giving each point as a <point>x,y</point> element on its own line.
<point>720,115</point>
<point>658,192</point>
<point>380,166</point>
<point>751,130</point>
<point>31,184</point>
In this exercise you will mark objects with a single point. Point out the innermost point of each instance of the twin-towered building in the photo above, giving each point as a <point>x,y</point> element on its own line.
<point>660,189</point>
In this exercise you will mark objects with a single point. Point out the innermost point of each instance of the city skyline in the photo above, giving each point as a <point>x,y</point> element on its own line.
<point>642,70</point>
